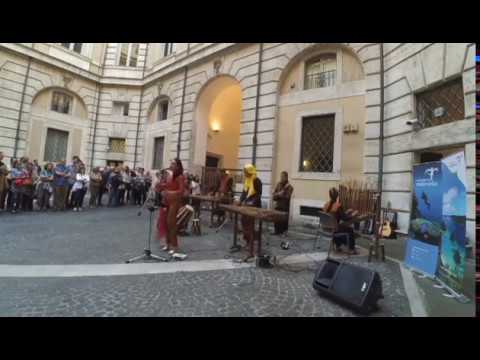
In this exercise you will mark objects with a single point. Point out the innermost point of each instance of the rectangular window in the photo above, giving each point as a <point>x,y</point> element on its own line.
<point>121,108</point>
<point>117,145</point>
<point>163,110</point>
<point>61,102</point>
<point>133,55</point>
<point>158,153</point>
<point>56,145</point>
<point>317,144</point>
<point>128,54</point>
<point>123,55</point>
<point>441,105</point>
<point>168,49</point>
<point>77,47</point>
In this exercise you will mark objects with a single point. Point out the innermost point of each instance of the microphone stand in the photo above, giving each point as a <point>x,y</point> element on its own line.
<point>147,252</point>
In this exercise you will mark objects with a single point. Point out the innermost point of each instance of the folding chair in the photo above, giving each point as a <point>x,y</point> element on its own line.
<point>327,227</point>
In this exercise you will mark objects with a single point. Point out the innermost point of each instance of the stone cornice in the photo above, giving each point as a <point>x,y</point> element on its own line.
<point>156,72</point>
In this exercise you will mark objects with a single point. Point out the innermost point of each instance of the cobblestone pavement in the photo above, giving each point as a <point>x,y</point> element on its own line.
<point>105,236</point>
<point>109,236</point>
<point>234,293</point>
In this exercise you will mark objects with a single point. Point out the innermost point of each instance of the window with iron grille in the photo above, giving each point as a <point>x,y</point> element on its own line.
<point>441,105</point>
<point>120,108</point>
<point>128,54</point>
<point>61,102</point>
<point>158,153</point>
<point>321,72</point>
<point>76,47</point>
<point>56,145</point>
<point>163,110</point>
<point>317,144</point>
<point>117,145</point>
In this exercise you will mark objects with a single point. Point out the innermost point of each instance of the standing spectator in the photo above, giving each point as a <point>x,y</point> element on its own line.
<point>104,185</point>
<point>139,188</point>
<point>28,185</point>
<point>37,167</point>
<point>18,177</point>
<point>148,181</point>
<point>45,187</point>
<point>3,182</point>
<point>95,185</point>
<point>9,196</point>
<point>72,170</point>
<point>79,188</point>
<point>114,182</point>
<point>127,180</point>
<point>60,185</point>
<point>121,187</point>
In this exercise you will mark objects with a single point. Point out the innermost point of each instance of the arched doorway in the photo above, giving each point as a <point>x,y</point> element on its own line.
<point>217,124</point>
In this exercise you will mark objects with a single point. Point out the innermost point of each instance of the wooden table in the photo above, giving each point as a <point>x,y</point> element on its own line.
<point>256,214</point>
<point>213,200</point>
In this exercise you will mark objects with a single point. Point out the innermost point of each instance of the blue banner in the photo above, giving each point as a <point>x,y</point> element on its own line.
<point>453,250</point>
<point>425,233</point>
<point>437,234</point>
<point>422,257</point>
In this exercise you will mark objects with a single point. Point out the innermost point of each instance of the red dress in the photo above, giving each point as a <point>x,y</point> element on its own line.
<point>162,217</point>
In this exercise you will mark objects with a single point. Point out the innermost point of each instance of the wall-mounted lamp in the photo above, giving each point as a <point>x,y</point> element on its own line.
<point>216,127</point>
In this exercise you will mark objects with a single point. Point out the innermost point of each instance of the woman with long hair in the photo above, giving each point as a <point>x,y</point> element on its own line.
<point>173,193</point>
<point>334,207</point>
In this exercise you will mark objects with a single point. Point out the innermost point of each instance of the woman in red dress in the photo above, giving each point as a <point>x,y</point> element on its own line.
<point>162,218</point>
<point>172,195</point>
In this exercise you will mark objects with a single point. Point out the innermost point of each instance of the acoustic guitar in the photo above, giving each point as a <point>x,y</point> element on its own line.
<point>387,228</point>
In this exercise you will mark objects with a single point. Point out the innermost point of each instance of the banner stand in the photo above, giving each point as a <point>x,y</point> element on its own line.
<point>450,293</point>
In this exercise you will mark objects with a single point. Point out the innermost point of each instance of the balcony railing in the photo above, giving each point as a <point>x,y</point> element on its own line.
<point>320,80</point>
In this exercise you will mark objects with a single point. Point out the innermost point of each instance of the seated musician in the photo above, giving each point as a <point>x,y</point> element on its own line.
<point>251,196</point>
<point>224,190</point>
<point>335,208</point>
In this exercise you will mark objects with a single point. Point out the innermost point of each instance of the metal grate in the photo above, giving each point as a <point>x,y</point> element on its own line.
<point>441,105</point>
<point>317,144</point>
<point>321,80</point>
<point>158,153</point>
<point>117,145</point>
<point>56,145</point>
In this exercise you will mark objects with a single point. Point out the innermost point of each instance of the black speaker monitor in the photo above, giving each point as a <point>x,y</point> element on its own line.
<point>351,285</point>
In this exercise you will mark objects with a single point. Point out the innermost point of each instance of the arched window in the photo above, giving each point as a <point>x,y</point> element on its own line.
<point>321,72</point>
<point>61,102</point>
<point>128,54</point>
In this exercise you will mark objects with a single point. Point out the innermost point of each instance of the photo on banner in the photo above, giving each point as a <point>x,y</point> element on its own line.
<point>454,208</point>
<point>426,225</point>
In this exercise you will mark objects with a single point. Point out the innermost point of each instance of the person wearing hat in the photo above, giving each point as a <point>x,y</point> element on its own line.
<point>251,196</point>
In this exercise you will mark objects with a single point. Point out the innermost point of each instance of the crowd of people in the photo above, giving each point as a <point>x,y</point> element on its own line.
<point>26,186</point>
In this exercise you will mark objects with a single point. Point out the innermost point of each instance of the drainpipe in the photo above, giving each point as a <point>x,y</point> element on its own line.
<point>140,109</point>
<point>180,125</point>
<point>380,156</point>
<point>382,117</point>
<point>257,104</point>
<point>20,115</point>
<point>97,110</point>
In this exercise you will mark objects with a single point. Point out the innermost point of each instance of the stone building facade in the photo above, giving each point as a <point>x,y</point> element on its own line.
<point>142,104</point>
